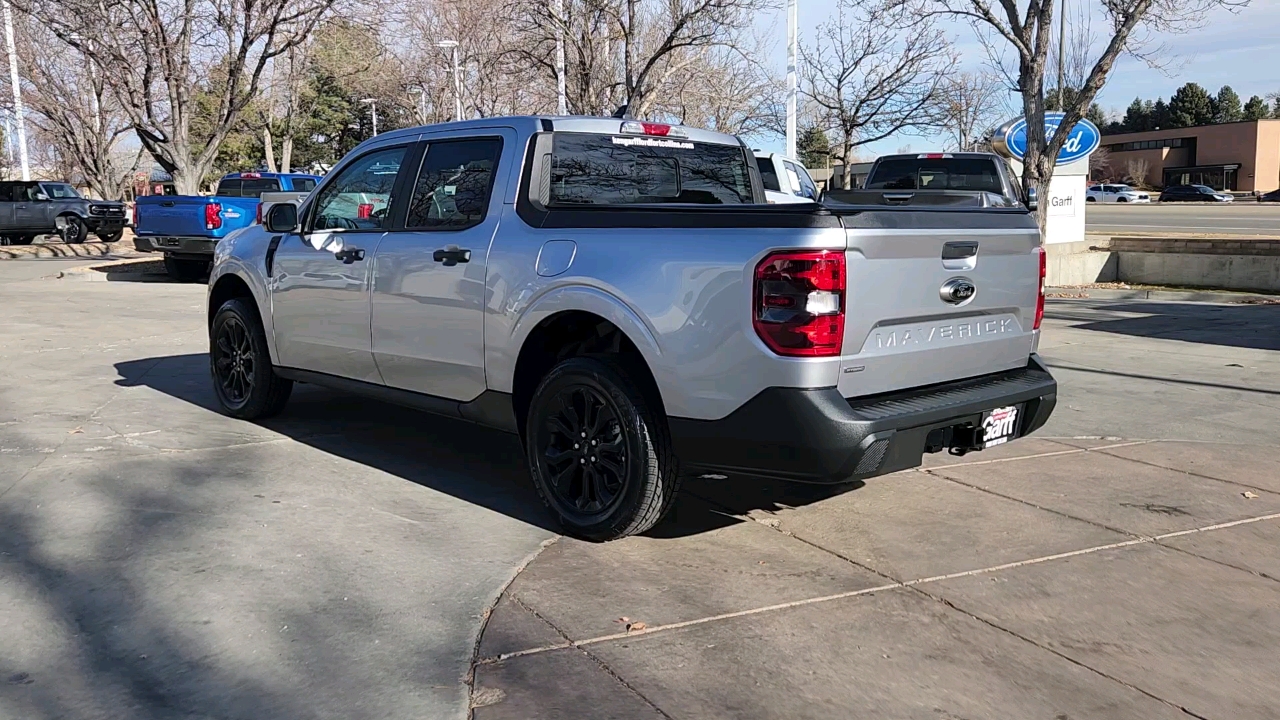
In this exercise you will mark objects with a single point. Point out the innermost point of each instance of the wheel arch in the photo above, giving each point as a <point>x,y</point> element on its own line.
<point>226,285</point>
<point>572,332</point>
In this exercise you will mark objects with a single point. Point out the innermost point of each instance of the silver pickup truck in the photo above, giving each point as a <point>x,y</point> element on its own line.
<point>618,295</point>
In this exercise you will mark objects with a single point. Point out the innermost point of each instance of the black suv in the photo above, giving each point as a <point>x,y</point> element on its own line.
<point>29,208</point>
<point>1193,193</point>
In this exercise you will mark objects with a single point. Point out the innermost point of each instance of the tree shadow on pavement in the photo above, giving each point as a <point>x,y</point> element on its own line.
<point>479,465</point>
<point>1243,326</point>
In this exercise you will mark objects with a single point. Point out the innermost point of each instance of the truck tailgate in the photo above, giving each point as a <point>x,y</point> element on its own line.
<point>900,330</point>
<point>177,216</point>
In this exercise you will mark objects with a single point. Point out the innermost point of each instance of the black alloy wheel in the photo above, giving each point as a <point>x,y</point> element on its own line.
<point>599,450</point>
<point>233,362</point>
<point>583,451</point>
<point>243,379</point>
<point>110,237</point>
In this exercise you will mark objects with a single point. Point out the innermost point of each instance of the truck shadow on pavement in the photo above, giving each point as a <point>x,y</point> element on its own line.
<point>1243,326</point>
<point>478,465</point>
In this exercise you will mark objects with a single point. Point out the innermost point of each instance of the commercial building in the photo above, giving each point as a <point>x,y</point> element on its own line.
<point>1240,156</point>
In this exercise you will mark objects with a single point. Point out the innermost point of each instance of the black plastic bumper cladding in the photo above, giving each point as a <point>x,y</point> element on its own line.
<point>819,436</point>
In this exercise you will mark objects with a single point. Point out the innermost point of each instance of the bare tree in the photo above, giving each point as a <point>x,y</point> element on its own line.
<point>870,80</point>
<point>1136,171</point>
<point>75,115</point>
<point>1026,28</point>
<point>1100,164</point>
<point>159,53</point>
<point>973,104</point>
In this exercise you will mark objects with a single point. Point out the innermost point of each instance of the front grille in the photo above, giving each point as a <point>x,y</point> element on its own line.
<point>107,210</point>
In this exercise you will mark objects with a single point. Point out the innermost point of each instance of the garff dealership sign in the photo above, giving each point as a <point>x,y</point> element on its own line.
<point>1010,139</point>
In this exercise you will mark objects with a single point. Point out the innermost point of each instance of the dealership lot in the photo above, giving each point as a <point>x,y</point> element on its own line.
<point>159,560</point>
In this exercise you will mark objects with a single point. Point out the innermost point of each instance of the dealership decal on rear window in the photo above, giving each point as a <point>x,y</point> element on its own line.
<point>652,142</point>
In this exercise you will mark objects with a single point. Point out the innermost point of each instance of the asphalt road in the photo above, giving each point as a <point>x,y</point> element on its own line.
<point>1238,218</point>
<point>159,560</point>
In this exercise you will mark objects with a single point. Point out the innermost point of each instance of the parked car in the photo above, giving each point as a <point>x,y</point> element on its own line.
<point>29,209</point>
<point>1273,196</point>
<point>619,296</point>
<point>1116,194</point>
<point>785,179</point>
<point>1194,193</point>
<point>187,227</point>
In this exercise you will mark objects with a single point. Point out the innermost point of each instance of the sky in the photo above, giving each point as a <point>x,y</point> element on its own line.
<point>1237,49</point>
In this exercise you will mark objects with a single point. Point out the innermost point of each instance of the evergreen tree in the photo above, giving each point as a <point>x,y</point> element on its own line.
<point>1160,115</point>
<point>1190,106</point>
<point>1226,106</point>
<point>1096,115</point>
<point>1255,109</point>
<point>813,147</point>
<point>1136,118</point>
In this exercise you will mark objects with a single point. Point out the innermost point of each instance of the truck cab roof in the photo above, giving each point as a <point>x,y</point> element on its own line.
<point>530,124</point>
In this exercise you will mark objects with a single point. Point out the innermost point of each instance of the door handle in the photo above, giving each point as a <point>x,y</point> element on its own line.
<point>349,255</point>
<point>451,256</point>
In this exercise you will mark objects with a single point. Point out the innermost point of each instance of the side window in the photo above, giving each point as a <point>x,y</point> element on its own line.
<point>454,184</point>
<point>359,198</point>
<point>255,188</point>
<point>229,188</point>
<point>807,188</point>
<point>793,176</point>
<point>768,176</point>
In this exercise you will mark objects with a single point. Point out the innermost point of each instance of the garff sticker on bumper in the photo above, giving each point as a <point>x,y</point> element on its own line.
<point>999,425</point>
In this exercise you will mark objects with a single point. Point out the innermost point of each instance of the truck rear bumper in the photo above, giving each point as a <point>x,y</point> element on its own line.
<point>175,245</point>
<point>819,436</point>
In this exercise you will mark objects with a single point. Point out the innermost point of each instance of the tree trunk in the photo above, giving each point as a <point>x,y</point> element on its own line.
<point>286,154</point>
<point>268,146</point>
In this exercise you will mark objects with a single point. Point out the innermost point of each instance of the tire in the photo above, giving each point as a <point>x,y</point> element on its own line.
<point>244,380</point>
<point>610,493</point>
<point>186,270</point>
<point>1089,199</point>
<point>16,239</point>
<point>110,237</point>
<point>1120,200</point>
<point>74,230</point>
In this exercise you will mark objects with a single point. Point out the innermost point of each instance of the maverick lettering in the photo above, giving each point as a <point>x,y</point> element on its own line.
<point>899,337</point>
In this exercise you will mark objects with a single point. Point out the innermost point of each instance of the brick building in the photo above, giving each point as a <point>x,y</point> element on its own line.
<point>1240,156</point>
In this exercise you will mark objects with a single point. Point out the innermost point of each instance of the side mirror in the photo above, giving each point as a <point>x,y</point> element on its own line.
<point>1033,199</point>
<point>282,218</point>
<point>41,197</point>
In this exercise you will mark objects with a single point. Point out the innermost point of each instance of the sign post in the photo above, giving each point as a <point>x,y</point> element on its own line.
<point>1065,199</point>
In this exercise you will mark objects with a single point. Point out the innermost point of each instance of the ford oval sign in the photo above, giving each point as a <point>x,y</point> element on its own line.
<point>1011,138</point>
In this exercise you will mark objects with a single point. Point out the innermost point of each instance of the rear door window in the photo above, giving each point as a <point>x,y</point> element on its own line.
<point>589,169</point>
<point>768,176</point>
<point>453,187</point>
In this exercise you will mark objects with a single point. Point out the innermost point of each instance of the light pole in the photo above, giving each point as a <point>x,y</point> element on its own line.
<point>562,107</point>
<point>791,78</point>
<point>373,108</point>
<point>457,78</point>
<point>421,92</point>
<point>17,90</point>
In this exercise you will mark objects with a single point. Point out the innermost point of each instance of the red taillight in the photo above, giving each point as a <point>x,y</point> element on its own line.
<point>799,302</point>
<point>1040,300</point>
<point>213,216</point>
<point>364,211</point>
<point>258,218</point>
<point>656,129</point>
<point>135,213</point>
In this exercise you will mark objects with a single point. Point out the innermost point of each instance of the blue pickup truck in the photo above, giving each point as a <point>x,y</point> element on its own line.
<point>186,228</point>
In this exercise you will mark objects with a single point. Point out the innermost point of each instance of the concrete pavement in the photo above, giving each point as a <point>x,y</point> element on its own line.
<point>159,560</point>
<point>1243,218</point>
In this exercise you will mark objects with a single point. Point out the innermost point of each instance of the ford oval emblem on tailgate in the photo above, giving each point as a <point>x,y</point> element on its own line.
<point>958,291</point>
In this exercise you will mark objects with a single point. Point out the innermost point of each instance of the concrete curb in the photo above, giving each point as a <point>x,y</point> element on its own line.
<point>1206,296</point>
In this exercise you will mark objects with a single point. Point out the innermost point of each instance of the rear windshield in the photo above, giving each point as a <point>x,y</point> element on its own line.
<point>936,174</point>
<point>303,184</point>
<point>630,169</point>
<point>255,187</point>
